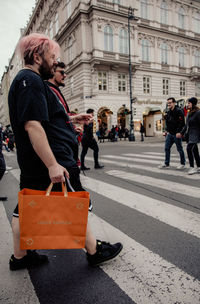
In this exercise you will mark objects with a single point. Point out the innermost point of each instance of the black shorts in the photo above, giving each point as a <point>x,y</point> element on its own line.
<point>42,183</point>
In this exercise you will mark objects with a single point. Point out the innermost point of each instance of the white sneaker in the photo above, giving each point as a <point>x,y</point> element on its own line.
<point>198,169</point>
<point>180,167</point>
<point>192,171</point>
<point>163,166</point>
<point>8,168</point>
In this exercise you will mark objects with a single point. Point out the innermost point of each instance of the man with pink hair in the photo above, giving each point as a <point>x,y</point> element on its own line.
<point>46,145</point>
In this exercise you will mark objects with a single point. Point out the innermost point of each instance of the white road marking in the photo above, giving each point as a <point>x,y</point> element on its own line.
<point>138,160</point>
<point>174,216</point>
<point>159,153</point>
<point>159,183</point>
<point>16,286</point>
<point>158,157</point>
<point>182,173</point>
<point>143,275</point>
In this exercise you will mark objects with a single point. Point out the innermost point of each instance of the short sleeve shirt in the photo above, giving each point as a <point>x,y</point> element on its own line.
<point>31,99</point>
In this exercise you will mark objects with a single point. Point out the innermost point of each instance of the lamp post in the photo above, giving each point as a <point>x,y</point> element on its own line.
<point>130,17</point>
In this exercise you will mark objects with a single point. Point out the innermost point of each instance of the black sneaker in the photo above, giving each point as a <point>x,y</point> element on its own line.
<point>31,260</point>
<point>3,198</point>
<point>90,206</point>
<point>105,252</point>
<point>98,167</point>
<point>84,168</point>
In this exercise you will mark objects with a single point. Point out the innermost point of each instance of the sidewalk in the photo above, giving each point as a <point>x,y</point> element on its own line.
<point>155,139</point>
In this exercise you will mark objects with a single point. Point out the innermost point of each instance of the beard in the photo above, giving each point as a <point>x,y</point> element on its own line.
<point>45,70</point>
<point>60,84</point>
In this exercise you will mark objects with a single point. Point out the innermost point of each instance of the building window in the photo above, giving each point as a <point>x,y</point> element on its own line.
<point>164,53</point>
<point>102,81</point>
<point>123,41</point>
<point>144,9</point>
<point>197,23</point>
<point>70,49</point>
<point>182,53</point>
<point>197,89</point>
<point>182,88</point>
<point>69,8</point>
<point>164,13</point>
<point>146,85</point>
<point>51,30</point>
<point>108,38</point>
<point>145,50</point>
<point>121,82</point>
<point>165,83</point>
<point>56,23</point>
<point>71,85</point>
<point>181,18</point>
<point>197,58</point>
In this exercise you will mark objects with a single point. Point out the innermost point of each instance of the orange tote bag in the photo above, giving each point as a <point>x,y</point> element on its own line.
<point>53,220</point>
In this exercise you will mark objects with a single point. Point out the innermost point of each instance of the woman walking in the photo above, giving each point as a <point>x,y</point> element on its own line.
<point>192,130</point>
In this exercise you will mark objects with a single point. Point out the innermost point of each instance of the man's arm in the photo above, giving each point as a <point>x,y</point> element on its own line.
<point>81,118</point>
<point>41,146</point>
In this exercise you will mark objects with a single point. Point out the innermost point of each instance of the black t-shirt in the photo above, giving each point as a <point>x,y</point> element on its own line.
<point>31,99</point>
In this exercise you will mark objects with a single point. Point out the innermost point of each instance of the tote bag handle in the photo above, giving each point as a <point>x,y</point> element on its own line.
<point>64,189</point>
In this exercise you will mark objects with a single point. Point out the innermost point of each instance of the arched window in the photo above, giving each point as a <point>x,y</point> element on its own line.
<point>182,53</point>
<point>197,23</point>
<point>164,53</point>
<point>181,18</point>
<point>108,38</point>
<point>144,9</point>
<point>145,50</point>
<point>56,23</point>
<point>123,41</point>
<point>70,49</point>
<point>164,13</point>
<point>197,58</point>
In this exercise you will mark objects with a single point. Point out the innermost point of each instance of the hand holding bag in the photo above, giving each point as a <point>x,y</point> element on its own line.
<point>53,220</point>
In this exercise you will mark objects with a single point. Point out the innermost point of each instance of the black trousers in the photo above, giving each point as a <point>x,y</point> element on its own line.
<point>193,153</point>
<point>92,144</point>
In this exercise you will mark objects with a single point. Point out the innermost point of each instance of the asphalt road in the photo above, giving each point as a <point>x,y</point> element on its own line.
<point>154,212</point>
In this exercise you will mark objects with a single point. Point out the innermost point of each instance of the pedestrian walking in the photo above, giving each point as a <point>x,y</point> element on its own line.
<point>46,142</point>
<point>174,124</point>
<point>142,131</point>
<point>192,132</point>
<point>88,141</point>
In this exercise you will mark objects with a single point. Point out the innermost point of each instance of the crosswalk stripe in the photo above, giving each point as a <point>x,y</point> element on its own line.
<point>15,287</point>
<point>174,216</point>
<point>149,156</point>
<point>181,173</point>
<point>160,183</point>
<point>158,153</point>
<point>137,159</point>
<point>143,275</point>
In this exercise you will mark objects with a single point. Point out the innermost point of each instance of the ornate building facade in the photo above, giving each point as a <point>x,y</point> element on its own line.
<point>93,35</point>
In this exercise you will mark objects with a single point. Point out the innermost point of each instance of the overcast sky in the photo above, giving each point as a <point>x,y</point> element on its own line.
<point>14,15</point>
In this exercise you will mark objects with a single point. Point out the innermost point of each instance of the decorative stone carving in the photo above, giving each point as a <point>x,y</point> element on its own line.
<point>150,38</point>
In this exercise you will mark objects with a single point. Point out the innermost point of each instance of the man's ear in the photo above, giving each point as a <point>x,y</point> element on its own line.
<point>37,58</point>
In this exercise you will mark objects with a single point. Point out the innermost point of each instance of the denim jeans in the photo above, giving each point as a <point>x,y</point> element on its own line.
<point>170,140</point>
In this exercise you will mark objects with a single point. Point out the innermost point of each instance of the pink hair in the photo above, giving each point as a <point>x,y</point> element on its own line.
<point>36,43</point>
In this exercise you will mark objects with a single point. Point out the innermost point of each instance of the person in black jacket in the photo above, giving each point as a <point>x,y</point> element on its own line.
<point>88,141</point>
<point>192,128</point>
<point>174,124</point>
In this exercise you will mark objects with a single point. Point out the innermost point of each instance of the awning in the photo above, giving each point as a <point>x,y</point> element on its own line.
<point>149,109</point>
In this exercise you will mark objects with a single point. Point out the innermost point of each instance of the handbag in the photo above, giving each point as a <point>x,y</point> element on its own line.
<point>53,220</point>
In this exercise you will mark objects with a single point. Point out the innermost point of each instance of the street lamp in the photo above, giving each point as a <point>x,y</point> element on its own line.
<point>130,17</point>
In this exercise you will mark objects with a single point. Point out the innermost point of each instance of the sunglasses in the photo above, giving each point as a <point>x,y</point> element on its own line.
<point>62,72</point>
